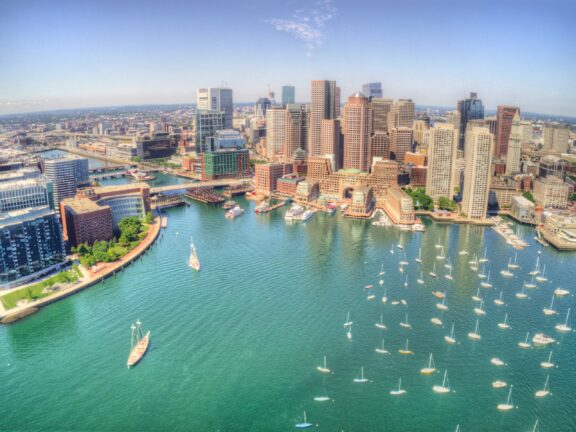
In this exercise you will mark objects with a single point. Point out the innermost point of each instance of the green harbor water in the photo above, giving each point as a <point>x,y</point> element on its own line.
<point>236,346</point>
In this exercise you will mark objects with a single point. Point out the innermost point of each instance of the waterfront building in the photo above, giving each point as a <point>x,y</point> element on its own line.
<point>469,109</point>
<point>559,229</point>
<point>401,141</point>
<point>207,123</point>
<point>288,184</point>
<point>380,145</point>
<point>19,173</point>
<point>330,141</point>
<point>502,190</point>
<point>442,148</point>
<point>85,221</point>
<point>266,176</point>
<point>229,139</point>
<point>325,105</point>
<point>66,174</point>
<point>551,166</point>
<point>217,99</point>
<point>361,203</point>
<point>478,156</point>
<point>296,135</point>
<point>551,192</point>
<point>25,193</point>
<point>307,191</point>
<point>158,146</point>
<point>380,109</point>
<point>275,131</point>
<point>225,163</point>
<point>288,95</point>
<point>356,128</point>
<point>514,146</point>
<point>402,114</point>
<point>556,138</point>
<point>122,150</point>
<point>522,210</point>
<point>504,117</point>
<point>399,206</point>
<point>31,244</point>
<point>372,90</point>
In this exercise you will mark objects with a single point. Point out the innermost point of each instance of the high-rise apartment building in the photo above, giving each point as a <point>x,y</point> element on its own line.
<point>514,146</point>
<point>478,154</point>
<point>454,118</point>
<point>556,138</point>
<point>325,105</point>
<point>25,193</point>
<point>380,109</point>
<point>372,90</point>
<point>66,174</point>
<point>288,95</point>
<point>421,132</point>
<point>379,145</point>
<point>469,109</point>
<point>330,144</point>
<point>206,124</point>
<point>296,135</point>
<point>402,114</point>
<point>217,99</point>
<point>357,119</point>
<point>275,130</point>
<point>442,147</point>
<point>504,117</point>
<point>401,141</point>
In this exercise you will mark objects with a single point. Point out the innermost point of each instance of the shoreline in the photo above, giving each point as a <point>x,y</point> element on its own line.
<point>88,278</point>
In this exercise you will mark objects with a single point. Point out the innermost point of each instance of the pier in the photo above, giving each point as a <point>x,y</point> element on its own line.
<point>205,195</point>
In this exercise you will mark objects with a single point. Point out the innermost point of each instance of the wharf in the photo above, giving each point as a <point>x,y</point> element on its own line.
<point>240,189</point>
<point>205,195</point>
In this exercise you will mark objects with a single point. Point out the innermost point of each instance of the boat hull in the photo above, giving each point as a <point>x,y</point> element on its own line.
<point>138,351</point>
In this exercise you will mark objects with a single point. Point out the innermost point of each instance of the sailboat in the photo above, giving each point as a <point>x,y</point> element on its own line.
<point>439,294</point>
<point>564,328</point>
<point>499,384</point>
<point>449,275</point>
<point>525,344</point>
<point>445,387</point>
<point>442,306</point>
<point>431,367</point>
<point>381,349</point>
<point>348,323</point>
<point>140,344</point>
<point>479,310</point>
<point>508,405</point>
<point>484,259</point>
<point>522,294</point>
<point>433,272</point>
<point>405,351</point>
<point>550,310</point>
<point>561,292</point>
<point>323,369</point>
<point>463,252</point>
<point>448,265</point>
<point>322,398</point>
<point>441,256</point>
<point>486,283</point>
<point>437,321</point>
<point>536,270</point>
<point>419,258</point>
<point>475,335</point>
<point>380,324</point>
<point>542,277</point>
<point>513,265</point>
<point>477,297</point>
<point>400,390</point>
<point>420,280</point>
<point>482,275</point>
<point>499,301</point>
<point>496,361</point>
<point>504,325</point>
<point>506,272</point>
<point>361,379</point>
<point>545,391</point>
<point>385,296</point>
<point>403,262</point>
<point>450,338</point>
<point>548,363</point>
<point>406,282</point>
<point>304,424</point>
<point>381,270</point>
<point>531,284</point>
<point>349,332</point>
<point>405,323</point>
<point>193,261</point>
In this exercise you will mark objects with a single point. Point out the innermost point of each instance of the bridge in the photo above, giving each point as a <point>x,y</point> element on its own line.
<point>212,183</point>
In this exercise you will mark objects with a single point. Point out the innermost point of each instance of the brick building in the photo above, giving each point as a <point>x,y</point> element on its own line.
<point>85,221</point>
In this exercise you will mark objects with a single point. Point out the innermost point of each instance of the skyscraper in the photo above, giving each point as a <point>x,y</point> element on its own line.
<point>469,109</point>
<point>288,95</point>
<point>217,99</point>
<point>325,105</point>
<point>442,146</point>
<point>296,136</point>
<point>514,146</point>
<point>504,117</point>
<point>372,90</point>
<point>207,123</point>
<point>556,137</point>
<point>478,155</point>
<point>380,109</point>
<point>275,130</point>
<point>330,141</point>
<point>357,119</point>
<point>402,114</point>
<point>401,140</point>
<point>379,146</point>
<point>66,174</point>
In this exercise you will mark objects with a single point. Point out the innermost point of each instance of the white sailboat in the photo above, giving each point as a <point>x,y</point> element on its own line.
<point>433,272</point>
<point>441,256</point>
<point>550,310</point>
<point>561,292</point>
<point>475,335</point>
<point>381,349</point>
<point>449,275</point>
<point>546,390</point>
<point>541,339</point>
<point>442,306</point>
<point>477,297</point>
<point>508,405</point>
<point>463,252</point>
<point>405,323</point>
<point>536,270</point>
<point>486,283</point>
<point>323,369</point>
<point>431,367</point>
<point>513,265</point>
<point>322,398</point>
<point>403,262</point>
<point>482,275</point>
<point>380,324</point>
<point>445,387</point>
<point>496,361</point>
<point>406,282</point>
<point>499,384</point>
<point>437,321</point>
<point>480,310</point>
<point>348,323</point>
<point>385,296</point>
<point>420,280</point>
<point>304,424</point>
<point>193,260</point>
<point>405,351</point>
<point>349,332</point>
<point>499,301</point>
<point>400,390</point>
<point>448,265</point>
<point>542,277</point>
<point>522,294</point>
<point>564,328</point>
<point>484,259</point>
<point>361,379</point>
<point>419,258</point>
<point>504,325</point>
<point>531,284</point>
<point>548,363</point>
<point>525,344</point>
<point>506,272</point>
<point>450,338</point>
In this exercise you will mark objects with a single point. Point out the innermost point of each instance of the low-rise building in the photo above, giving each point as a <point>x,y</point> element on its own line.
<point>307,191</point>
<point>85,221</point>
<point>288,184</point>
<point>551,192</point>
<point>266,176</point>
<point>361,204</point>
<point>523,210</point>
<point>399,206</point>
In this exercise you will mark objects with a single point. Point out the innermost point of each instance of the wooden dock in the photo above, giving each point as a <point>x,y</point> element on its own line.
<point>240,189</point>
<point>205,195</point>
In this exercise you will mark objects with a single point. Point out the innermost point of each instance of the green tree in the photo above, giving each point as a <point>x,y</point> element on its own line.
<point>149,219</point>
<point>446,204</point>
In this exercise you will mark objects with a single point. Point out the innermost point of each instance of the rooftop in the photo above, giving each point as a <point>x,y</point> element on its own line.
<point>82,205</point>
<point>19,216</point>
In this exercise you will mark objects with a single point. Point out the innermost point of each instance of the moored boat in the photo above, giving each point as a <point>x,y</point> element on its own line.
<point>139,344</point>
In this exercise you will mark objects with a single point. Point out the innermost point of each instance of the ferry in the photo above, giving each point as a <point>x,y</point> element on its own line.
<point>139,344</point>
<point>234,212</point>
<point>294,213</point>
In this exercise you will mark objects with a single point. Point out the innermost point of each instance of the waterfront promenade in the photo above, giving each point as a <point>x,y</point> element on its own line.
<point>89,277</point>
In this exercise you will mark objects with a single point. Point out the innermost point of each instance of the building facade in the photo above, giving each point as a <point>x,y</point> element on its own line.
<point>217,99</point>
<point>469,109</point>
<point>402,114</point>
<point>551,192</point>
<point>399,206</point>
<point>206,124</point>
<point>357,119</point>
<point>28,192</point>
<point>85,221</point>
<point>275,131</point>
<point>380,110</point>
<point>556,138</point>
<point>514,146</point>
<point>442,148</point>
<point>504,117</point>
<point>229,163</point>
<point>296,135</point>
<point>266,176</point>
<point>325,105</point>
<point>401,141</point>
<point>288,95</point>
<point>372,90</point>
<point>379,145</point>
<point>66,175</point>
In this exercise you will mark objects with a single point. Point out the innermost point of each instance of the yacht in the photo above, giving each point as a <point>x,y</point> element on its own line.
<point>504,325</point>
<point>475,335</point>
<point>439,294</point>
<point>441,256</point>
<point>531,284</point>
<point>433,272</point>
<point>496,361</point>
<point>442,306</point>
<point>525,344</point>
<point>560,292</point>
<point>479,310</point>
<point>450,338</point>
<point>420,280</point>
<point>405,323</point>
<point>449,275</point>
<point>348,323</point>
<point>499,301</point>
<point>463,252</point>
<point>536,270</point>
<point>564,328</point>
<point>484,259</point>
<point>323,368</point>
<point>361,379</point>
<point>548,363</point>
<point>499,384</point>
<point>419,258</point>
<point>294,213</point>
<point>400,390</point>
<point>542,277</point>
<point>140,344</point>
<point>322,398</point>
<point>234,212</point>
<point>522,294</point>
<point>540,339</point>
<point>405,350</point>
<point>431,367</point>
<point>380,324</point>
<point>385,296</point>
<point>486,283</point>
<point>477,297</point>
<point>437,321</point>
<point>513,265</point>
<point>445,387</point>
<point>545,391</point>
<point>508,405</point>
<point>304,424</point>
<point>381,349</point>
<point>193,260</point>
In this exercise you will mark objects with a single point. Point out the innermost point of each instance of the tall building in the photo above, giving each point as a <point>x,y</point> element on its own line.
<point>421,132</point>
<point>357,119</point>
<point>266,176</point>
<point>296,136</point>
<point>379,146</point>
<point>275,130</point>
<point>372,90</point>
<point>228,163</point>
<point>478,155</point>
<point>402,114</point>
<point>206,124</point>
<point>401,141</point>
<point>442,147</point>
<point>262,105</point>
<point>469,109</point>
<point>551,166</point>
<point>66,175</point>
<point>504,117</point>
<point>514,146</point>
<point>288,95</point>
<point>454,118</point>
<point>380,109</point>
<point>325,105</point>
<point>24,193</point>
<point>330,141</point>
<point>556,138</point>
<point>217,99</point>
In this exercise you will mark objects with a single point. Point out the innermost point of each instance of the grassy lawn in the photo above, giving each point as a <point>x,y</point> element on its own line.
<point>34,292</point>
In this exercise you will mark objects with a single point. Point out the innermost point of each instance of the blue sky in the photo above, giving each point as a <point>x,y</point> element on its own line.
<point>70,53</point>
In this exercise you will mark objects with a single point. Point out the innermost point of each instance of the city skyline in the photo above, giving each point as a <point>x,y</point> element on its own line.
<point>68,55</point>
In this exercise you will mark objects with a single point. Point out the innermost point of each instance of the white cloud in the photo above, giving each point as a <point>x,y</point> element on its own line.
<point>306,25</point>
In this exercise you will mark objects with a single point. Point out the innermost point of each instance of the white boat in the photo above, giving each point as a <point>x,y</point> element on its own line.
<point>477,297</point>
<point>445,387</point>
<point>381,349</point>
<point>486,283</point>
<point>560,292</point>
<point>431,367</point>
<point>548,363</point>
<point>531,284</point>
<point>564,328</point>
<point>499,301</point>
<point>441,256</point>
<point>348,323</point>
<point>324,398</point>
<point>304,424</point>
<point>449,275</point>
<point>399,246</point>
<point>437,321</point>
<point>420,280</point>
<point>380,324</point>
<point>385,296</point>
<point>361,379</point>
<point>381,282</point>
<point>234,212</point>
<point>306,215</point>
<point>405,351</point>
<point>442,306</point>
<point>450,338</point>
<point>405,323</point>
<point>439,294</point>
<point>484,259</point>
<point>522,294</point>
<point>525,344</point>
<point>404,302</point>
<point>400,390</point>
<point>475,335</point>
<point>504,325</point>
<point>419,258</point>
<point>482,275</point>
<point>507,273</point>
<point>541,339</point>
<point>463,252</point>
<point>323,368</point>
<point>371,297</point>
<point>480,310</point>
<point>536,270</point>
<point>294,213</point>
<point>499,384</point>
<point>513,265</point>
<point>545,391</point>
<point>193,261</point>
<point>542,277</point>
<point>406,282</point>
<point>508,405</point>
<point>496,361</point>
<point>349,332</point>
<point>403,261</point>
<point>448,265</point>
<point>474,261</point>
